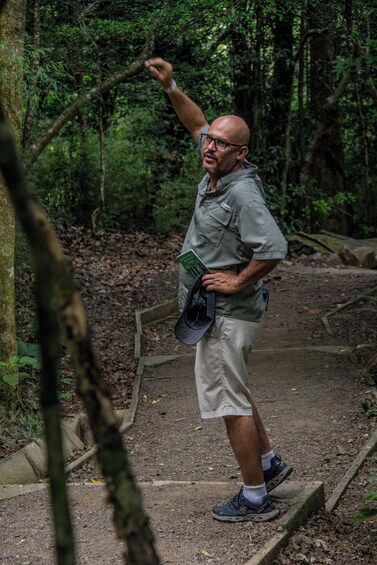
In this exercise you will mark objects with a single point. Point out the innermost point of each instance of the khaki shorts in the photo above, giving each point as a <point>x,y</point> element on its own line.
<point>221,374</point>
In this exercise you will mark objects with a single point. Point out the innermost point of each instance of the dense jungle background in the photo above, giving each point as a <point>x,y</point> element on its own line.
<point>299,72</point>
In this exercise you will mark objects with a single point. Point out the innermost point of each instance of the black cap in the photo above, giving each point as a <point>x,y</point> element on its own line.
<point>198,314</point>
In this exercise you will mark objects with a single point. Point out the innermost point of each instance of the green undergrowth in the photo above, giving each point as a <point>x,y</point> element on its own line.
<point>20,414</point>
<point>20,418</point>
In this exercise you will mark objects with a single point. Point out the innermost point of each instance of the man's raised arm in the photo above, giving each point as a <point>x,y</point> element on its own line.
<point>187,111</point>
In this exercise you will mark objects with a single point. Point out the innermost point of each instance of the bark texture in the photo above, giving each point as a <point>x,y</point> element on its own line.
<point>246,45</point>
<point>12,26</point>
<point>32,86</point>
<point>282,90</point>
<point>98,212</point>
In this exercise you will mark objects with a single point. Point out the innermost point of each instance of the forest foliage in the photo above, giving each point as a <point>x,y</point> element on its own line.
<point>301,74</point>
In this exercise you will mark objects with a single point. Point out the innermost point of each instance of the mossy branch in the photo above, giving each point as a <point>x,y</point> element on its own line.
<point>96,92</point>
<point>49,331</point>
<point>63,301</point>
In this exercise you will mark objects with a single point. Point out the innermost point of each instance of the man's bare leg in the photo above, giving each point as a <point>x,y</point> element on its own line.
<point>264,442</point>
<point>244,439</point>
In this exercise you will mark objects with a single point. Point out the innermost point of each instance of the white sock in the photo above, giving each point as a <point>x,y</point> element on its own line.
<point>266,460</point>
<point>255,494</point>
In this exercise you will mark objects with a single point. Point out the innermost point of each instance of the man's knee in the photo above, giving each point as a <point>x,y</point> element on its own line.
<point>235,419</point>
<point>231,418</point>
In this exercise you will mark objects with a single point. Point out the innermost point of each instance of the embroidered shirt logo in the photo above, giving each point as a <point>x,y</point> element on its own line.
<point>226,206</point>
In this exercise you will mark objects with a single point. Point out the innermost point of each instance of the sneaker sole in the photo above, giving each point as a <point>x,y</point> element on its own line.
<point>263,517</point>
<point>276,481</point>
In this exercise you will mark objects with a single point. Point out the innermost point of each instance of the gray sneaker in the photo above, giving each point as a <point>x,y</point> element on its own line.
<point>239,509</point>
<point>277,473</point>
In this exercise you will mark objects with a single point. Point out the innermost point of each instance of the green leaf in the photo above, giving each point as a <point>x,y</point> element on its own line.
<point>371,496</point>
<point>365,514</point>
<point>13,361</point>
<point>64,395</point>
<point>66,380</point>
<point>29,362</point>
<point>11,379</point>
<point>207,553</point>
<point>28,349</point>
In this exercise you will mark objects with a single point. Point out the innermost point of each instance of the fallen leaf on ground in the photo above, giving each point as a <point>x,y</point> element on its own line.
<point>208,553</point>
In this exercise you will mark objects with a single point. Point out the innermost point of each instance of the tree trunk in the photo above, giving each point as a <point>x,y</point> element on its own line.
<point>12,27</point>
<point>30,105</point>
<point>241,73</point>
<point>246,72</point>
<point>300,91</point>
<point>98,212</point>
<point>282,91</point>
<point>256,86</point>
<point>324,161</point>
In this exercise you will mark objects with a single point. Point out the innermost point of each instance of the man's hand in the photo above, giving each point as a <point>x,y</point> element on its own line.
<point>225,281</point>
<point>228,282</point>
<point>161,70</point>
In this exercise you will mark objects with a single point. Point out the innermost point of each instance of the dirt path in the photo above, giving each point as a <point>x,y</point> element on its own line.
<point>307,423</point>
<point>310,399</point>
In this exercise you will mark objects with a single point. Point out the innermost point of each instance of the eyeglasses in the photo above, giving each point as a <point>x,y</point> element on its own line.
<point>219,143</point>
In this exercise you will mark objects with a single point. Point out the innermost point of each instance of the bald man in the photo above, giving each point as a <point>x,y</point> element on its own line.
<point>235,235</point>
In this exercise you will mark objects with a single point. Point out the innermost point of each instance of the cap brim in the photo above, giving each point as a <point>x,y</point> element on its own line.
<point>189,333</point>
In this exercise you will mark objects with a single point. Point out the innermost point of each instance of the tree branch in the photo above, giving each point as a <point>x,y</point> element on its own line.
<point>49,333</point>
<point>304,39</point>
<point>96,91</point>
<point>339,91</point>
<point>53,271</point>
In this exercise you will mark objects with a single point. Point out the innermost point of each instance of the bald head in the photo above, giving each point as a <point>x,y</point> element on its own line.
<point>232,134</point>
<point>231,128</point>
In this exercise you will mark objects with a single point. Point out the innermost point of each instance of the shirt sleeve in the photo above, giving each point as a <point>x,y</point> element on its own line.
<point>259,232</point>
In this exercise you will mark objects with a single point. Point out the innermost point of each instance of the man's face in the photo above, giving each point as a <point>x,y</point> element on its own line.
<point>218,162</point>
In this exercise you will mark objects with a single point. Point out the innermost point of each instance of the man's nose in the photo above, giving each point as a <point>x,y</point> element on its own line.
<point>212,142</point>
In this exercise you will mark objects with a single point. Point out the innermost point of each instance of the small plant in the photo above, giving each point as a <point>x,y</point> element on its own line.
<point>28,357</point>
<point>20,419</point>
<point>11,371</point>
<point>21,422</point>
<point>66,394</point>
<point>366,513</point>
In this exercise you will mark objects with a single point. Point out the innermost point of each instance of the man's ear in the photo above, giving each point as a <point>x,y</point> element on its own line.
<point>243,152</point>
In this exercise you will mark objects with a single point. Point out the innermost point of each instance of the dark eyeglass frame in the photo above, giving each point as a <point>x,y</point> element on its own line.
<point>207,139</point>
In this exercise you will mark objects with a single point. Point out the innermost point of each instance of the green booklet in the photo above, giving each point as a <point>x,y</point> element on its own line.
<point>192,264</point>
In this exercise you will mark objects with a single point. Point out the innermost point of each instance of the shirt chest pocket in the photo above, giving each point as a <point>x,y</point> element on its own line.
<point>213,220</point>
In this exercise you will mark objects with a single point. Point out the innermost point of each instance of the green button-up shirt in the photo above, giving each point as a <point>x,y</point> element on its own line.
<point>230,226</point>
